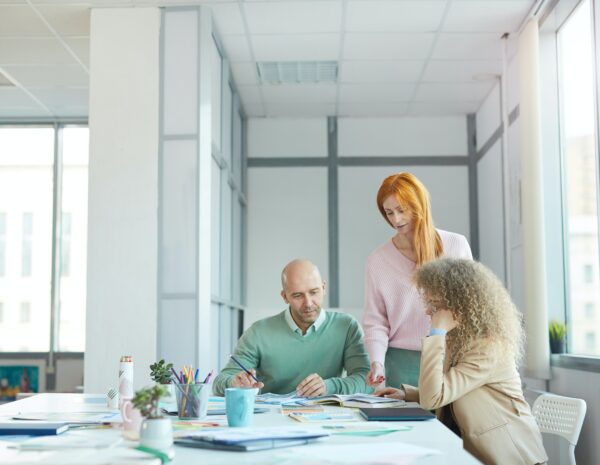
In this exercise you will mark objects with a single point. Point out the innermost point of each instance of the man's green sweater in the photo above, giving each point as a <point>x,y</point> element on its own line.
<point>283,357</point>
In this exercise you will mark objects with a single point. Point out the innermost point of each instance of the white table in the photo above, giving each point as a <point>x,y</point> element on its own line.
<point>430,434</point>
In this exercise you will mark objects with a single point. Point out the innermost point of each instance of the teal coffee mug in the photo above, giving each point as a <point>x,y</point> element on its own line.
<point>239,405</point>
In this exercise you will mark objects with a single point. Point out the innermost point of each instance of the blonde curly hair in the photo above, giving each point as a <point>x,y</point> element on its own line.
<point>479,302</point>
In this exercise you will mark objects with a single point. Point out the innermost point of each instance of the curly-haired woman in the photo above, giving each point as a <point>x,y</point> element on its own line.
<point>469,363</point>
<point>394,319</point>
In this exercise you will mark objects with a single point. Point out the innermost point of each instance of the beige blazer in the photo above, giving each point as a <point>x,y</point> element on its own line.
<point>481,397</point>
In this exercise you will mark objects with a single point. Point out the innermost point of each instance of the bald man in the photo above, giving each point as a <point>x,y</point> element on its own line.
<point>304,348</point>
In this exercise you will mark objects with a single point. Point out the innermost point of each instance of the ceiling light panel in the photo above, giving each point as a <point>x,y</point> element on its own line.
<point>297,72</point>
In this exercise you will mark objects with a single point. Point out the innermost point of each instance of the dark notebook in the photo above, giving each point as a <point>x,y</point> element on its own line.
<point>32,428</point>
<point>396,414</point>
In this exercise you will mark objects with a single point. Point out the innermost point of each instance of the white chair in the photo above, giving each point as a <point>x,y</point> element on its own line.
<point>562,416</point>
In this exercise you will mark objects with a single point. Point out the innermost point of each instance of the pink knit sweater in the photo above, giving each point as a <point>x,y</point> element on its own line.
<point>394,315</point>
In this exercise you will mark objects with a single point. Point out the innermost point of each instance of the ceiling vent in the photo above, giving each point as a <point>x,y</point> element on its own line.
<point>297,72</point>
<point>5,82</point>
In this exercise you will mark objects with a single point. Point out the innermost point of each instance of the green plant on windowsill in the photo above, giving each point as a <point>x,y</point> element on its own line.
<point>160,372</point>
<point>146,400</point>
<point>557,332</point>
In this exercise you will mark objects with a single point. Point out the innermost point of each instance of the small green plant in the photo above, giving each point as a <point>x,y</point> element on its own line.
<point>557,331</point>
<point>146,401</point>
<point>160,372</point>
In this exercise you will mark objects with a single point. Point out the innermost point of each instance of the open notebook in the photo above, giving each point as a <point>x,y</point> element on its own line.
<point>353,400</point>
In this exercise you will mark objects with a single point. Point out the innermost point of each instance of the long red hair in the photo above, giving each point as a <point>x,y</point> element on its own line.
<point>412,194</point>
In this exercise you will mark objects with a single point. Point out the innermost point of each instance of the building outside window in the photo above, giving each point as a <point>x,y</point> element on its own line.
<point>579,176</point>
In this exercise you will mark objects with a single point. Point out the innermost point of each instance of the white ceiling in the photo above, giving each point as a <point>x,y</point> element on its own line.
<point>396,57</point>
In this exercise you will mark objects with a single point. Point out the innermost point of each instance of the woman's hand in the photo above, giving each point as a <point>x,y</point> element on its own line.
<point>443,319</point>
<point>377,374</point>
<point>390,392</point>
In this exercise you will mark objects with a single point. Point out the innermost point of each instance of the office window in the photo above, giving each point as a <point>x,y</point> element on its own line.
<point>65,245</point>
<point>2,244</point>
<point>27,181</point>
<point>27,226</point>
<point>588,274</point>
<point>590,341</point>
<point>73,243</point>
<point>25,313</point>
<point>590,310</point>
<point>26,198</point>
<point>579,172</point>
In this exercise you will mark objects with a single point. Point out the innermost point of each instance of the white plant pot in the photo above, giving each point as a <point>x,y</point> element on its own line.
<point>157,433</point>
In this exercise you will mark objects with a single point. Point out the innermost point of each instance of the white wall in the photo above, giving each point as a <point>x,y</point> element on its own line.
<point>410,136</point>
<point>289,137</point>
<point>122,225</point>
<point>491,214</point>
<point>288,206</point>
<point>287,219</point>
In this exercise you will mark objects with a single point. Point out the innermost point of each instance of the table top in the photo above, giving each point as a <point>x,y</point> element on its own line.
<point>430,434</point>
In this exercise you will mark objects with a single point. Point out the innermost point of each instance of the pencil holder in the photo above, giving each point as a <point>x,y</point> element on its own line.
<point>192,400</point>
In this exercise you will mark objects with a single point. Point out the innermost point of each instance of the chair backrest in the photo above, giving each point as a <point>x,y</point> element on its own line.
<point>560,415</point>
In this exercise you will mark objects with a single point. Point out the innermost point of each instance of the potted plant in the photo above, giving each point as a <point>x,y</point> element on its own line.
<point>156,431</point>
<point>161,373</point>
<point>557,331</point>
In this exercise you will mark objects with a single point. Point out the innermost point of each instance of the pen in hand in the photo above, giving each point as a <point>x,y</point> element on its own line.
<point>238,363</point>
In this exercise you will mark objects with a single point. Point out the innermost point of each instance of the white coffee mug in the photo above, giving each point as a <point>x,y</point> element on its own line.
<point>132,420</point>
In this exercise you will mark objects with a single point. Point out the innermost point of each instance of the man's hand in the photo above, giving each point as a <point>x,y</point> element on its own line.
<point>243,379</point>
<point>377,374</point>
<point>311,386</point>
<point>392,393</point>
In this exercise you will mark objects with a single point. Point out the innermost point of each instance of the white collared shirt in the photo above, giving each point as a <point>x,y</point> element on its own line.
<point>314,327</point>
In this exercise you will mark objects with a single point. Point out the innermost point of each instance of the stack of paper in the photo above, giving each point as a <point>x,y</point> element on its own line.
<point>251,439</point>
<point>323,417</point>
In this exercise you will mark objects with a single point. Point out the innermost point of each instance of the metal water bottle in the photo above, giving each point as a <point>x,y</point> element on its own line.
<point>125,378</point>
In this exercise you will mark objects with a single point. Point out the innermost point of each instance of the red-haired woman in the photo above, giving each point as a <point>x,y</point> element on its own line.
<point>394,319</point>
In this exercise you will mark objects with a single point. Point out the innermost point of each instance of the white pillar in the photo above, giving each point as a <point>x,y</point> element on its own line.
<point>534,259</point>
<point>123,193</point>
